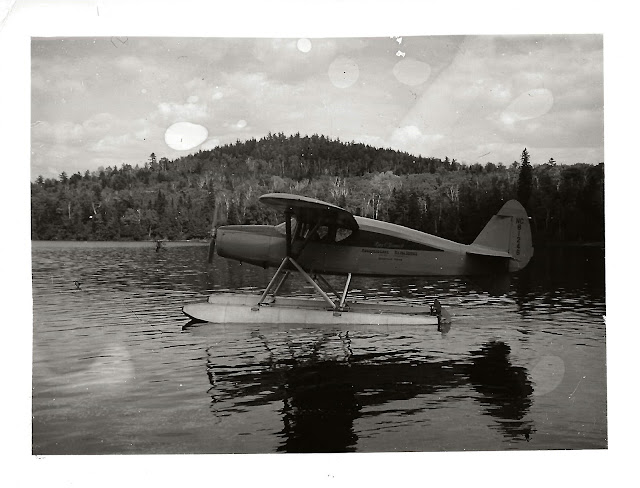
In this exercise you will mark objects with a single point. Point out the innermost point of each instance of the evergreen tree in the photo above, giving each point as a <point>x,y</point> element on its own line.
<point>152,161</point>
<point>525,179</point>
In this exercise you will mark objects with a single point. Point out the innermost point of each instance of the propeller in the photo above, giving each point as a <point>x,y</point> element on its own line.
<point>214,231</point>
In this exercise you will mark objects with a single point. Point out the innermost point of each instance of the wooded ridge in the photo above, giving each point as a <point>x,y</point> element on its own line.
<point>165,199</point>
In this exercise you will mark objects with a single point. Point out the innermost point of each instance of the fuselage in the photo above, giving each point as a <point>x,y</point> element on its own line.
<point>376,248</point>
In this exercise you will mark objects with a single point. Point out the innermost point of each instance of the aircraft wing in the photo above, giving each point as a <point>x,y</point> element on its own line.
<point>310,210</point>
<point>478,250</point>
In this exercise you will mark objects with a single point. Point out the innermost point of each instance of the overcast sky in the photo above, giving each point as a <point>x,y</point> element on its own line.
<point>107,101</point>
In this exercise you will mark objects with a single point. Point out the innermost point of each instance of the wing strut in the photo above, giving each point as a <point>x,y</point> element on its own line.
<point>345,291</point>
<point>321,279</point>
<point>282,273</point>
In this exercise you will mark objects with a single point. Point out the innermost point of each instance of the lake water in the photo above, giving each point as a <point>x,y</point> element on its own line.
<point>118,369</point>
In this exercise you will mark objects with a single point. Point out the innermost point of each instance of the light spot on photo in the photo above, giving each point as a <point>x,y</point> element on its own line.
<point>183,136</point>
<point>547,375</point>
<point>529,105</point>
<point>411,71</point>
<point>343,72</point>
<point>304,45</point>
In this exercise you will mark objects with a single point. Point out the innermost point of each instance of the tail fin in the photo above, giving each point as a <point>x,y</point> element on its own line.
<point>509,231</point>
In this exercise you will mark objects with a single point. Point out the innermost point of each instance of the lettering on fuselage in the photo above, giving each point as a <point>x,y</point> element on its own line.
<point>376,251</point>
<point>388,254</point>
<point>389,245</point>
<point>405,253</point>
<point>375,240</point>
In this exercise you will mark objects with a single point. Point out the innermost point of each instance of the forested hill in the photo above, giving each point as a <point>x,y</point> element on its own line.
<point>176,199</point>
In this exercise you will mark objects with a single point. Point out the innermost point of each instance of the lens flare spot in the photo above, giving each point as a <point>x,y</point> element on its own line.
<point>547,375</point>
<point>528,105</point>
<point>241,124</point>
<point>183,136</point>
<point>411,71</point>
<point>343,72</point>
<point>304,45</point>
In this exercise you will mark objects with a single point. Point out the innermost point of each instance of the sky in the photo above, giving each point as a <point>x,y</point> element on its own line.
<point>105,101</point>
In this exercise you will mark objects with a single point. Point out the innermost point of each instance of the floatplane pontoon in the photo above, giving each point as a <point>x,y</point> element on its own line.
<point>318,238</point>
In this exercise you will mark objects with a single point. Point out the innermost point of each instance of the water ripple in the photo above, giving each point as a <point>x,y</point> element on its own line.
<point>115,372</point>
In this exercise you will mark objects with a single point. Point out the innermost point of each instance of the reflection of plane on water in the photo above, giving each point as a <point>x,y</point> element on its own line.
<point>318,238</point>
<point>323,393</point>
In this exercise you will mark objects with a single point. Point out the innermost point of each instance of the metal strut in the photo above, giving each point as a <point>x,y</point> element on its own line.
<point>288,259</point>
<point>306,276</point>
<point>321,279</point>
<point>273,280</point>
<point>285,275</point>
<point>345,291</point>
<point>313,283</point>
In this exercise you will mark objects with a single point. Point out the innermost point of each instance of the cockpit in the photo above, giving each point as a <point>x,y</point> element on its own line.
<point>328,234</point>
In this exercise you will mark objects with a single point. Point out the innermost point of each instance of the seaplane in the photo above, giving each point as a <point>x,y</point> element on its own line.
<point>318,238</point>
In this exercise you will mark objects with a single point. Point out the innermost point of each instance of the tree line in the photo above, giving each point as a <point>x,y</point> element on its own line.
<point>177,199</point>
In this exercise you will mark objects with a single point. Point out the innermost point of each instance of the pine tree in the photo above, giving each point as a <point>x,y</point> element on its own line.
<point>525,179</point>
<point>152,161</point>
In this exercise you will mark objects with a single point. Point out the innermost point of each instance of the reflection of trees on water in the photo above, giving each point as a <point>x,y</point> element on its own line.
<point>559,278</point>
<point>327,386</point>
<point>523,294</point>
<point>496,284</point>
<point>320,404</point>
<point>505,389</point>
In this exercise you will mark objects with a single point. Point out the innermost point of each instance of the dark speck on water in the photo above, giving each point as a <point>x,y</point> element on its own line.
<point>117,368</point>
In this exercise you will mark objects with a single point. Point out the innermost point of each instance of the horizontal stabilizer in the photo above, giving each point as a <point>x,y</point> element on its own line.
<point>485,251</point>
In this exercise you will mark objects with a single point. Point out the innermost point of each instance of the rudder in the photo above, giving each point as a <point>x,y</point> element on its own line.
<point>509,231</point>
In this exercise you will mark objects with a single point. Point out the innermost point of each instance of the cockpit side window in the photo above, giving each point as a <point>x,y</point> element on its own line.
<point>326,234</point>
<point>342,234</point>
<point>323,232</point>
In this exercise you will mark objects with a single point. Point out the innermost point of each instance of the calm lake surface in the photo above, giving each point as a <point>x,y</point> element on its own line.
<point>117,368</point>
